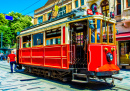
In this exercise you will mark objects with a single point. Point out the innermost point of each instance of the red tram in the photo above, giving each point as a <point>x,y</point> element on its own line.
<point>70,47</point>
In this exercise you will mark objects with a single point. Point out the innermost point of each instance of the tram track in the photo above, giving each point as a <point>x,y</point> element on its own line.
<point>115,87</point>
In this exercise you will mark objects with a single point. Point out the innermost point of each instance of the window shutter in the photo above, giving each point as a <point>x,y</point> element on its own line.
<point>126,3</point>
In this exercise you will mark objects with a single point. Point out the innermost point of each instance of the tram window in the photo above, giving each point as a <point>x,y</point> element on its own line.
<point>79,39</point>
<point>53,37</point>
<point>26,41</point>
<point>93,32</point>
<point>104,30</point>
<point>18,43</point>
<point>110,33</point>
<point>38,39</point>
<point>98,31</point>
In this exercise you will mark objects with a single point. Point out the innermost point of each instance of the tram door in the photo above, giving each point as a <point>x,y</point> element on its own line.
<point>78,46</point>
<point>17,49</point>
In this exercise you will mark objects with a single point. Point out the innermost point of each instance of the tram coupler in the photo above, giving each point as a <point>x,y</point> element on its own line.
<point>118,78</point>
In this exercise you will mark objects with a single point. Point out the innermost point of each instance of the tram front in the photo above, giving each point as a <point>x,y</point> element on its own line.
<point>102,60</point>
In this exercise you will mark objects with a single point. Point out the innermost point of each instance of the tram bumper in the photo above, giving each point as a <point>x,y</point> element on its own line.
<point>106,73</point>
<point>107,70</point>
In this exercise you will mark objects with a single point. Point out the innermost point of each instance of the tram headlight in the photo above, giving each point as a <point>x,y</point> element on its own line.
<point>109,57</point>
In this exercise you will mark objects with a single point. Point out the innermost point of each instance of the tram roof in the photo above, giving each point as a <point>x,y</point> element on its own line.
<point>61,20</point>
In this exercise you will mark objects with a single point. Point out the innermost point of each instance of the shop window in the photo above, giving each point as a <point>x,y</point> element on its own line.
<point>38,39</point>
<point>76,3</point>
<point>62,11</point>
<point>104,30</point>
<point>105,7</point>
<point>26,41</point>
<point>110,26</point>
<point>40,19</point>
<point>98,30</point>
<point>127,3</point>
<point>124,52</point>
<point>118,7</point>
<point>82,2</point>
<point>53,37</point>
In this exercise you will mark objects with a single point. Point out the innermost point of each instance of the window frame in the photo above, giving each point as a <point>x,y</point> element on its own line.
<point>38,45</point>
<point>40,20</point>
<point>81,2</point>
<point>101,33</point>
<point>48,15</point>
<point>26,42</point>
<point>62,10</point>
<point>53,38</point>
<point>118,8</point>
<point>58,29</point>
<point>105,3</point>
<point>127,3</point>
<point>77,4</point>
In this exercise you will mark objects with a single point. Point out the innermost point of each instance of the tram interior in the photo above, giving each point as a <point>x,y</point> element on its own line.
<point>78,44</point>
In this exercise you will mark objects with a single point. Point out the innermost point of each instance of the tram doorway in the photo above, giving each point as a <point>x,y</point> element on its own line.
<point>78,45</point>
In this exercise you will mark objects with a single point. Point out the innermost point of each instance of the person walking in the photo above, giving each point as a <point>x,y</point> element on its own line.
<point>12,59</point>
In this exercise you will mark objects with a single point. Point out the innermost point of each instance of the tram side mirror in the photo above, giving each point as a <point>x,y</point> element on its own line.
<point>91,24</point>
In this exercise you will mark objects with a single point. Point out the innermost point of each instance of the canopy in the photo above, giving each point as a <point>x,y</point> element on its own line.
<point>123,36</point>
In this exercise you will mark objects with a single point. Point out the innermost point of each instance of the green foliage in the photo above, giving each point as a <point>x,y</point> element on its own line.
<point>10,28</point>
<point>3,21</point>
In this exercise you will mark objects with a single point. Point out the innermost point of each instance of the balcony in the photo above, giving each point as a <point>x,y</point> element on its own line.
<point>126,14</point>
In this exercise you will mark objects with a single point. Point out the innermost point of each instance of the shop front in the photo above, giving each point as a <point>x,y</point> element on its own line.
<point>123,49</point>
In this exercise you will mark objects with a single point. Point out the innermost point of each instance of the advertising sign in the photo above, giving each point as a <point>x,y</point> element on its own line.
<point>89,11</point>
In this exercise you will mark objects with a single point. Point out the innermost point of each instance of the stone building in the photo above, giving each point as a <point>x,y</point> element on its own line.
<point>42,14</point>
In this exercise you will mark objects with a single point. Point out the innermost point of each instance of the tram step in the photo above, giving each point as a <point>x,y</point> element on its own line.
<point>79,81</point>
<point>80,75</point>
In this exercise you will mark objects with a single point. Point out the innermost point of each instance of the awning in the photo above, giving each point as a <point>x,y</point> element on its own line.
<point>123,36</point>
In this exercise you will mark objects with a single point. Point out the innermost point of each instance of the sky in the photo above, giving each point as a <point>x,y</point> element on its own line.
<point>7,6</point>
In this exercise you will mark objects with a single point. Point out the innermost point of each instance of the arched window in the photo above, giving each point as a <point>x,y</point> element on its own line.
<point>105,7</point>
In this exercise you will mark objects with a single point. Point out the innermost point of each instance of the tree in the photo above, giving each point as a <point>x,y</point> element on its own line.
<point>3,21</point>
<point>10,28</point>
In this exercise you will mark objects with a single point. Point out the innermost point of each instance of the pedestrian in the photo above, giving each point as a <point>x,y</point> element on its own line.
<point>5,56</point>
<point>12,59</point>
<point>2,56</point>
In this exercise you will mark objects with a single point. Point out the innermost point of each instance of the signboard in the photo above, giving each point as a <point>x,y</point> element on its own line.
<point>8,17</point>
<point>89,11</point>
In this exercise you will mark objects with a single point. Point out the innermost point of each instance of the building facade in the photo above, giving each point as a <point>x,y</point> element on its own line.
<point>48,10</point>
<point>123,36</point>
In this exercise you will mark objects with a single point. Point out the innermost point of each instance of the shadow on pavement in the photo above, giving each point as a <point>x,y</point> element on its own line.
<point>125,69</point>
<point>95,85</point>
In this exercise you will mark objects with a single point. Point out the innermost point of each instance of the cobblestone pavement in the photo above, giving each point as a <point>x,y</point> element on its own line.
<point>20,81</point>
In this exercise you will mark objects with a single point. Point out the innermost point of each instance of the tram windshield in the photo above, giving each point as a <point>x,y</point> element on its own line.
<point>101,31</point>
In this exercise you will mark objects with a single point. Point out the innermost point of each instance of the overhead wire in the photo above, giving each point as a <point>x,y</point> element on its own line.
<point>30,6</point>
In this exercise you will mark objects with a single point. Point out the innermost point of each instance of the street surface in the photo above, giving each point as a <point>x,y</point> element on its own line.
<point>20,81</point>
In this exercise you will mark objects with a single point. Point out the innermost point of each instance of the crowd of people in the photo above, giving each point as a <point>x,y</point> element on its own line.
<point>3,56</point>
